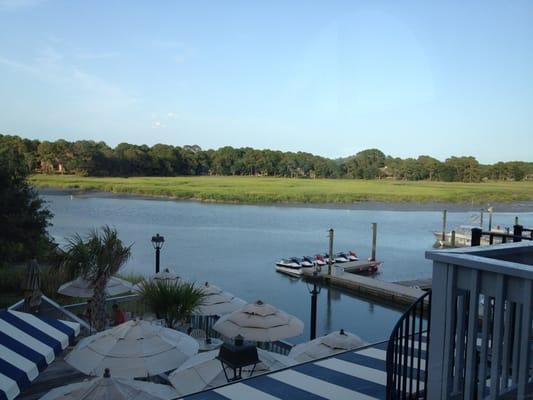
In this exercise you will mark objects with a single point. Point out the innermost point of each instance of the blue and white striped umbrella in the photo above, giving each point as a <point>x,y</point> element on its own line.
<point>28,344</point>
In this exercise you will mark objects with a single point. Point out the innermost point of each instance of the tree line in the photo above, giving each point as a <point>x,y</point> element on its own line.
<point>90,158</point>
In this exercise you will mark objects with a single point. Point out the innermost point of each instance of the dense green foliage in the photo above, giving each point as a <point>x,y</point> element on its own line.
<point>89,158</point>
<point>23,217</point>
<point>172,301</point>
<point>251,189</point>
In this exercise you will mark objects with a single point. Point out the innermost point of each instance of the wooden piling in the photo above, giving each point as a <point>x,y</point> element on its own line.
<point>518,230</point>
<point>476,237</point>
<point>374,240</point>
<point>444,215</point>
<point>453,240</point>
<point>330,258</point>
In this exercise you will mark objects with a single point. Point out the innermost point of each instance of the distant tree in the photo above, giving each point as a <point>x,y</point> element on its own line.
<point>465,169</point>
<point>366,164</point>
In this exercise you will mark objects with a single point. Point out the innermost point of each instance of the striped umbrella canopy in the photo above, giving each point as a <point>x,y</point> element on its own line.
<point>335,342</point>
<point>204,371</point>
<point>134,349</point>
<point>28,344</point>
<point>218,302</point>
<point>81,287</point>
<point>32,286</point>
<point>259,322</point>
<point>109,388</point>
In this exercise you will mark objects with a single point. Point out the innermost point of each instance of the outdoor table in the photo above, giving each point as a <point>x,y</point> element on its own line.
<point>215,344</point>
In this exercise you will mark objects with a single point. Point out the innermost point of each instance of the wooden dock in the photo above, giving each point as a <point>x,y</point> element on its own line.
<point>424,284</point>
<point>375,288</point>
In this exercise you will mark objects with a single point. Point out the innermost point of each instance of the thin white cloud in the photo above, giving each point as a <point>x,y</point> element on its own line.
<point>158,125</point>
<point>17,4</point>
<point>94,92</point>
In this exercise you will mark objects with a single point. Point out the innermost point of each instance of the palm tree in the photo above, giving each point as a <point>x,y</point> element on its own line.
<point>173,301</point>
<point>96,259</point>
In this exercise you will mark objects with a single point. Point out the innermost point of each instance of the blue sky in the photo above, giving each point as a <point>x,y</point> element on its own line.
<point>328,77</point>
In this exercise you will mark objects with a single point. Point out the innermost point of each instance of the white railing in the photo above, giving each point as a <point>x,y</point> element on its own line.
<point>481,323</point>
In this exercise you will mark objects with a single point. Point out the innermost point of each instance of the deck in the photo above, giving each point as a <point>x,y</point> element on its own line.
<point>355,375</point>
<point>375,288</point>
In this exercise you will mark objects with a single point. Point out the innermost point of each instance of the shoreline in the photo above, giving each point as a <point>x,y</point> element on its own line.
<point>519,206</point>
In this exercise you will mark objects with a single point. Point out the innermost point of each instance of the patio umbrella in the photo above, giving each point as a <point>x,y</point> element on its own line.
<point>31,286</point>
<point>259,322</point>
<point>335,342</point>
<point>81,287</point>
<point>218,302</point>
<point>108,388</point>
<point>204,371</point>
<point>166,275</point>
<point>133,349</point>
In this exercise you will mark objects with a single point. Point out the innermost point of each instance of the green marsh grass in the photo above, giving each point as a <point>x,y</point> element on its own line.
<point>241,189</point>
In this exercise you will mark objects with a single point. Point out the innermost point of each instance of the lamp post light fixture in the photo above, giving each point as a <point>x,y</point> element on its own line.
<point>315,279</point>
<point>157,242</point>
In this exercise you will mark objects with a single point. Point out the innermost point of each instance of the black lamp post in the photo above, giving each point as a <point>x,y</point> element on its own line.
<point>157,242</point>
<point>314,291</point>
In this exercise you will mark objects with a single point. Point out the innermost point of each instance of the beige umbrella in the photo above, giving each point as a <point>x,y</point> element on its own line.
<point>81,287</point>
<point>204,371</point>
<point>107,388</point>
<point>133,349</point>
<point>166,275</point>
<point>259,322</point>
<point>32,286</point>
<point>335,342</point>
<point>218,302</point>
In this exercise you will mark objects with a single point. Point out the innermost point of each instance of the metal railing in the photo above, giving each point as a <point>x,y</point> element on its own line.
<point>407,352</point>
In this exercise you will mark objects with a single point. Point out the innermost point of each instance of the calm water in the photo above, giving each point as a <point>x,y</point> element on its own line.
<point>236,246</point>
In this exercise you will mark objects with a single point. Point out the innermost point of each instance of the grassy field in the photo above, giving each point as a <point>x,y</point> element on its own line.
<point>284,190</point>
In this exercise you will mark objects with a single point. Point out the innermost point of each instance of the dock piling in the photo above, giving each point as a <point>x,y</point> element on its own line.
<point>476,237</point>
<point>444,215</point>
<point>453,240</point>
<point>374,239</point>
<point>330,258</point>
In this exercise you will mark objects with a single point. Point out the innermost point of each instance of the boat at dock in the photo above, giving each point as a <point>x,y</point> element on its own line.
<point>293,265</point>
<point>463,236</point>
<point>348,262</point>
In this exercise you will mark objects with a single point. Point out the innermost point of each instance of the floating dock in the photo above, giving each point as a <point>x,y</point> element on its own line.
<point>380,290</point>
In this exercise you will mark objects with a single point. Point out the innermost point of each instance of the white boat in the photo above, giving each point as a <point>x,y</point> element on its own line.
<point>293,266</point>
<point>341,258</point>
<point>352,256</point>
<point>463,236</point>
